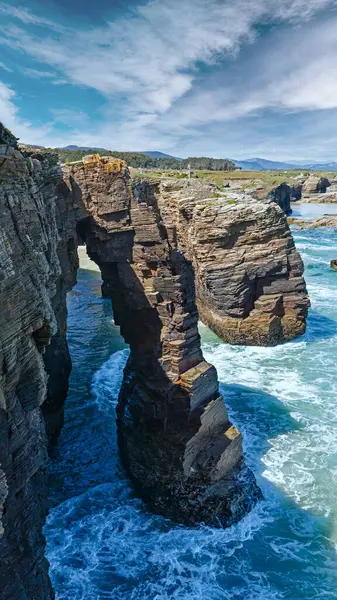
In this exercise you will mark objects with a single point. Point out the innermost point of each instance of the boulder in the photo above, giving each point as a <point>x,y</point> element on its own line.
<point>314,185</point>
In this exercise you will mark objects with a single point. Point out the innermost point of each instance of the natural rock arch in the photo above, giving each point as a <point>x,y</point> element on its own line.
<point>175,437</point>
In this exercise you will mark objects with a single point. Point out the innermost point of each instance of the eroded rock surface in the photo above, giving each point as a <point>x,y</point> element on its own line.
<point>314,223</point>
<point>34,279</point>
<point>281,195</point>
<point>249,275</point>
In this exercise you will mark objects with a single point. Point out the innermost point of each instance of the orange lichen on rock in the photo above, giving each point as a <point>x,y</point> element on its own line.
<point>111,164</point>
<point>114,165</point>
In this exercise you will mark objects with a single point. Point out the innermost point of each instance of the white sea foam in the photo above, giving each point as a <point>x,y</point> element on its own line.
<point>107,381</point>
<point>104,544</point>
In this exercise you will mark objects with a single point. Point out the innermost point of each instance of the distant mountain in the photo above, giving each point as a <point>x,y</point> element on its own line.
<point>248,164</point>
<point>72,147</point>
<point>151,153</point>
<point>329,166</point>
<point>262,164</point>
<point>156,154</point>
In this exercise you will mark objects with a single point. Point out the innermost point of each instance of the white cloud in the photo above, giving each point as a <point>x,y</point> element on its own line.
<point>152,56</point>
<point>149,63</point>
<point>293,70</point>
<point>20,127</point>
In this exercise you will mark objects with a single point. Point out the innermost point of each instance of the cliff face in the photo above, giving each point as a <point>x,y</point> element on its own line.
<point>281,195</point>
<point>32,296</point>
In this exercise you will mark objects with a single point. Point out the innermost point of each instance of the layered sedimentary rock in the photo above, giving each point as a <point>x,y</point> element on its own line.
<point>324,221</point>
<point>249,275</point>
<point>176,441</point>
<point>32,296</point>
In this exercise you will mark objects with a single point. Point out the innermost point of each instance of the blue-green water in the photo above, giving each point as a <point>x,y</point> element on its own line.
<point>103,544</point>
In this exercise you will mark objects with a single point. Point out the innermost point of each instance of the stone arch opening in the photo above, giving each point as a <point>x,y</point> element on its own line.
<point>174,435</point>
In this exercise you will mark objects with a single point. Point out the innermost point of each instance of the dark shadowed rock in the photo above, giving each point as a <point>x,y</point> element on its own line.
<point>36,269</point>
<point>281,195</point>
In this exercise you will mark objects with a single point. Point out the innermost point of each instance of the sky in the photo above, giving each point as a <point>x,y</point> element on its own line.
<point>222,78</point>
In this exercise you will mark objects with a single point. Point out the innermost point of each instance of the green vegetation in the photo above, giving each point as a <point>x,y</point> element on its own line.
<point>218,171</point>
<point>142,161</point>
<point>208,164</point>
<point>268,179</point>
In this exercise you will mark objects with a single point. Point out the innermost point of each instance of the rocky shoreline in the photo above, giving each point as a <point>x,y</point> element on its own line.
<point>314,223</point>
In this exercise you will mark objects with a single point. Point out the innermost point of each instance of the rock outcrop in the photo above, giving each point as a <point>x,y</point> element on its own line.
<point>295,191</point>
<point>324,221</point>
<point>281,195</point>
<point>249,275</point>
<point>327,198</point>
<point>314,185</point>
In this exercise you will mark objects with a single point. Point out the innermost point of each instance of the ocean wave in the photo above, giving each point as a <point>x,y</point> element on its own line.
<point>103,544</point>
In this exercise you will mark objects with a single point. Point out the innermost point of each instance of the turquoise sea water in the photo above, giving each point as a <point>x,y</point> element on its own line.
<point>102,543</point>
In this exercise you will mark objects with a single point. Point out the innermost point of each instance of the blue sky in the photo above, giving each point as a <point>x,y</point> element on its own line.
<point>236,78</point>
